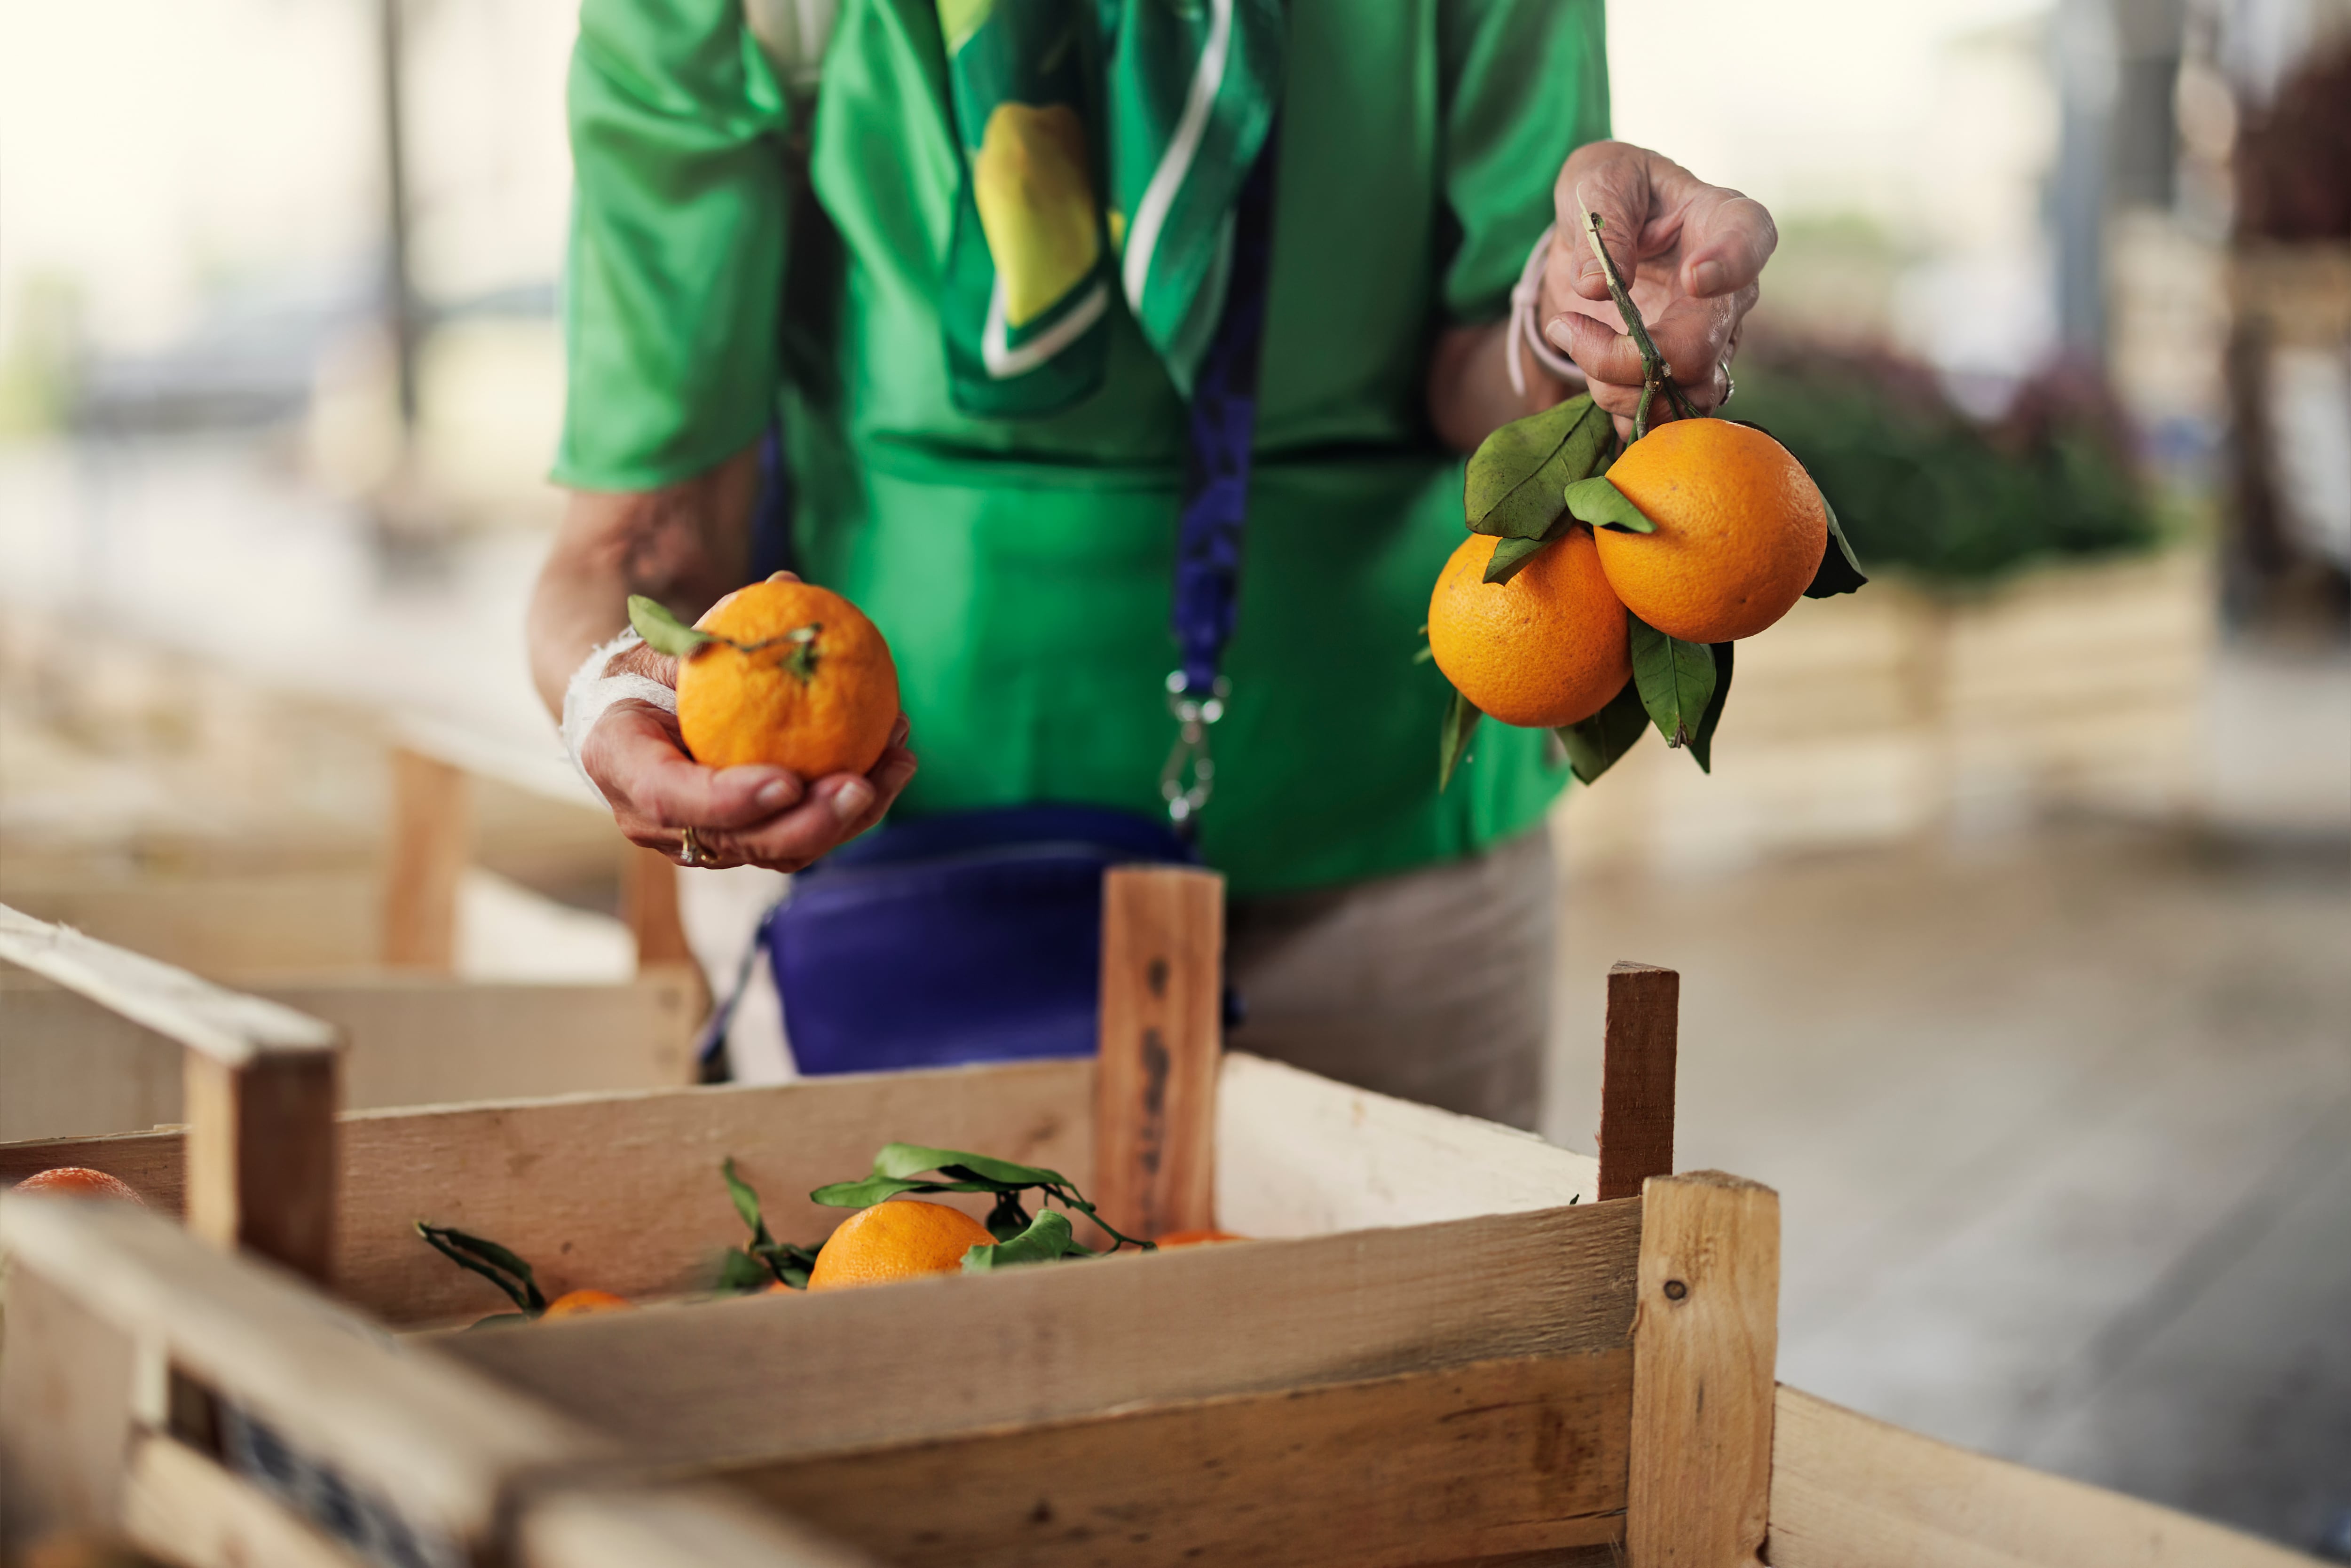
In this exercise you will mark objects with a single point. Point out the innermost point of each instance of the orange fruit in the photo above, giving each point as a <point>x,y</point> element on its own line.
<point>818,694</point>
<point>1197,1237</point>
<point>1548,647</point>
<point>895,1240</point>
<point>578,1303</point>
<point>1741,528</point>
<point>78,1181</point>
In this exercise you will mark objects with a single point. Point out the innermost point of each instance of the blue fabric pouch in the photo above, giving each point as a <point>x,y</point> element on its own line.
<point>971,937</point>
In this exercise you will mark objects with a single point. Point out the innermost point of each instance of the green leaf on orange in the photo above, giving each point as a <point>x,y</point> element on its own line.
<point>1595,745</point>
<point>1598,501</point>
<point>662,632</point>
<point>1675,680</point>
<point>1514,483</point>
<point>1453,743</point>
<point>1511,556</point>
<point>1839,569</point>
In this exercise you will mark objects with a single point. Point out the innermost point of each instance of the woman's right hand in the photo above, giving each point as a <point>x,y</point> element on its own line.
<point>741,816</point>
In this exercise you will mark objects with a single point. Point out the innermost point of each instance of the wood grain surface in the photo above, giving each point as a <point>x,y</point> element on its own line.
<point>1162,1030</point>
<point>1851,1492</point>
<point>1637,1077</point>
<point>768,1378</point>
<point>1704,1344</point>
<point>431,839</point>
<point>261,1160</point>
<point>1298,1154</point>
<point>1495,1457</point>
<point>396,1419</point>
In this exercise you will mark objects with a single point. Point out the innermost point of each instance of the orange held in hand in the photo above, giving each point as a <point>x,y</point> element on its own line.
<point>896,1240</point>
<point>802,680</point>
<point>1548,647</point>
<point>1741,531</point>
<point>78,1181</point>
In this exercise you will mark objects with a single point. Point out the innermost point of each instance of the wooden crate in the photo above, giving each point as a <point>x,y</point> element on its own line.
<point>71,1066</point>
<point>1454,1345</point>
<point>1893,714</point>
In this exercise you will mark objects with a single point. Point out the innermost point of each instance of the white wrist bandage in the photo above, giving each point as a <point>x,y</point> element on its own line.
<point>592,691</point>
<point>1526,298</point>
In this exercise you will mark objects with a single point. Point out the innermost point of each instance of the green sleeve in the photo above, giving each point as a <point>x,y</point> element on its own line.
<point>1525,83</point>
<point>676,264</point>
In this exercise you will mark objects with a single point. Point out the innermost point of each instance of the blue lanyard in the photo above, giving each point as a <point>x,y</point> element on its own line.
<point>1223,427</point>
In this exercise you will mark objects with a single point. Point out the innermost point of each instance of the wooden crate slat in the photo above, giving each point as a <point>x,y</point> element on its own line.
<point>227,1026</point>
<point>65,1414</point>
<point>622,1192</point>
<point>1704,1344</point>
<point>667,1527</point>
<point>770,1377</point>
<point>1637,1077</point>
<point>397,1418</point>
<point>261,1161</point>
<point>154,1164</point>
<point>76,1068</point>
<point>1161,1030</point>
<point>1299,1155</point>
<point>182,1505</point>
<point>1498,1457</point>
<point>1851,1492</point>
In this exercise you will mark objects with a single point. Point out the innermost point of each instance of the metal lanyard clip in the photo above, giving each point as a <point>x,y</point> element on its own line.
<point>1189,756</point>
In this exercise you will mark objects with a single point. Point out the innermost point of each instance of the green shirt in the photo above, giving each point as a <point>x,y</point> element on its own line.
<point>1022,569</point>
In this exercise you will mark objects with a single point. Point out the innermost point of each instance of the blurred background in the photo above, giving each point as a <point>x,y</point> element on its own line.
<point>2014,922</point>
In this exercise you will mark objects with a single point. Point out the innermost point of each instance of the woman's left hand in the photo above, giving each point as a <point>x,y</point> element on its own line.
<point>1690,253</point>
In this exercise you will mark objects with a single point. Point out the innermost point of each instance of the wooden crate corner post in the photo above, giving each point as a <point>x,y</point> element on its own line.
<point>1637,1077</point>
<point>1162,1035</point>
<point>1706,1344</point>
<point>431,839</point>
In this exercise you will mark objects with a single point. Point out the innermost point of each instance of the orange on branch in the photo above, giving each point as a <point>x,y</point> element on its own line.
<point>1551,646</point>
<point>811,687</point>
<point>579,1303</point>
<point>1196,1238</point>
<point>1741,528</point>
<point>896,1240</point>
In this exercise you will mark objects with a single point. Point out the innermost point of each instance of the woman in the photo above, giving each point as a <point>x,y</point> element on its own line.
<point>1009,234</point>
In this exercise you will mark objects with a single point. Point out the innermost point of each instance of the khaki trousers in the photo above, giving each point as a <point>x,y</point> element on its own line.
<point>1432,986</point>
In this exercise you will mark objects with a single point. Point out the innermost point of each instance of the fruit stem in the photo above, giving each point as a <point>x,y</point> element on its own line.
<point>1656,374</point>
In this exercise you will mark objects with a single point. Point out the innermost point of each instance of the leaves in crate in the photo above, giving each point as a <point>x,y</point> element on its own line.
<point>1676,681</point>
<point>1008,1218</point>
<point>740,1273</point>
<point>1598,501</point>
<point>1515,479</point>
<point>662,632</point>
<point>911,1159</point>
<point>478,1255</point>
<point>899,1169</point>
<point>1839,569</point>
<point>1595,745</point>
<point>772,1260</point>
<point>1701,746</point>
<point>1047,1239</point>
<point>1453,743</point>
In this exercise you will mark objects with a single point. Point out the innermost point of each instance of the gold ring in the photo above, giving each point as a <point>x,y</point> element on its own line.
<point>692,854</point>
